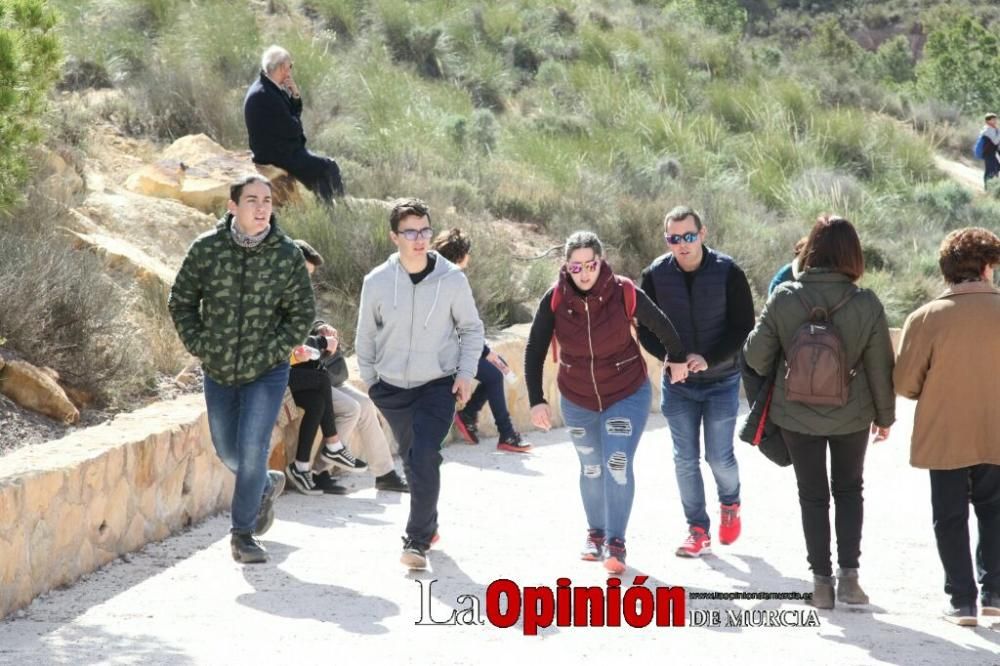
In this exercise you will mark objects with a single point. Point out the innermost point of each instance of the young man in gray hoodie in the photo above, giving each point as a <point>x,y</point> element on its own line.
<point>418,343</point>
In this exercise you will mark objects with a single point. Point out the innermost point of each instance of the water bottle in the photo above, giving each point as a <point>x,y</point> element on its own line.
<point>510,377</point>
<point>314,353</point>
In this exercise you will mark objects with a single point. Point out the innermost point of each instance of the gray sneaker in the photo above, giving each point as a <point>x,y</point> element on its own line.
<point>246,548</point>
<point>265,515</point>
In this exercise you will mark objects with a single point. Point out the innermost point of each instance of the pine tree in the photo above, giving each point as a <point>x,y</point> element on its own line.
<point>29,66</point>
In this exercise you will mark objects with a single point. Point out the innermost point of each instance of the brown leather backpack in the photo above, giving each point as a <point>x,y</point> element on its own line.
<point>817,372</point>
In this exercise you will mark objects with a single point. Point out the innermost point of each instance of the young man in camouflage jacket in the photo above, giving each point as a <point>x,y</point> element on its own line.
<point>241,301</point>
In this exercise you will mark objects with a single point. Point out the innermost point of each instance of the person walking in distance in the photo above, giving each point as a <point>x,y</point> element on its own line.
<point>707,296</point>
<point>418,343</point>
<point>241,301</point>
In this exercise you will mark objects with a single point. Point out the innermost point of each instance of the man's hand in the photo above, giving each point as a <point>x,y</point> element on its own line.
<point>462,389</point>
<point>500,364</point>
<point>292,88</point>
<point>696,363</point>
<point>332,342</point>
<point>541,416</point>
<point>881,434</point>
<point>327,331</point>
<point>677,372</point>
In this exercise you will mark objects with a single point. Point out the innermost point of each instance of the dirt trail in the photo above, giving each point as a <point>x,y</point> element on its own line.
<point>963,174</point>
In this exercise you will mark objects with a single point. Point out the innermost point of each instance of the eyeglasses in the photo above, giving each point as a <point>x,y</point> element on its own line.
<point>576,266</point>
<point>413,234</point>
<point>677,239</point>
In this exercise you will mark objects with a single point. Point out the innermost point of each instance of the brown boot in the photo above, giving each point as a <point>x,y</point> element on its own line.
<point>848,589</point>
<point>822,592</point>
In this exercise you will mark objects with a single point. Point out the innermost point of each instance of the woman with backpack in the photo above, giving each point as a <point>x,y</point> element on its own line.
<point>833,386</point>
<point>603,384</point>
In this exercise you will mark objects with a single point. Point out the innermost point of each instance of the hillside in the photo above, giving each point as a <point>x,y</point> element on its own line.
<point>518,121</point>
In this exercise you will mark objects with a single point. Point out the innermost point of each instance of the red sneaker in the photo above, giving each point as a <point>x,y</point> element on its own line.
<point>698,543</point>
<point>729,530</point>
<point>467,428</point>
<point>614,559</point>
<point>514,444</point>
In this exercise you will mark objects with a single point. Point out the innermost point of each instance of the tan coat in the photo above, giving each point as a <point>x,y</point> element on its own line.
<point>949,361</point>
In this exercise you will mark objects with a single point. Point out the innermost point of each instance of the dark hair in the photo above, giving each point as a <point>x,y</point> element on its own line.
<point>404,208</point>
<point>965,253</point>
<point>834,244</point>
<point>236,189</point>
<point>678,213</point>
<point>581,240</point>
<point>310,253</point>
<point>990,116</point>
<point>453,245</point>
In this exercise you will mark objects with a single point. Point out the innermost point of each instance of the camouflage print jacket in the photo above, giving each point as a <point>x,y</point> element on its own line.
<point>241,310</point>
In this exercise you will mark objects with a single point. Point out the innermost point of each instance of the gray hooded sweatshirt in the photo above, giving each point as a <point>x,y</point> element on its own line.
<point>411,334</point>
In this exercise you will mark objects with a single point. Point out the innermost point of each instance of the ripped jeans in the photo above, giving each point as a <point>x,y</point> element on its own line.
<point>606,442</point>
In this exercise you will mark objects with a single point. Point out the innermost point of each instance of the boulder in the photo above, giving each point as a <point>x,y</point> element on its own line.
<point>198,172</point>
<point>36,390</point>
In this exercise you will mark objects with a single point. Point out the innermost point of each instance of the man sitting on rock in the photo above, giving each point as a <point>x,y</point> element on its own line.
<point>272,110</point>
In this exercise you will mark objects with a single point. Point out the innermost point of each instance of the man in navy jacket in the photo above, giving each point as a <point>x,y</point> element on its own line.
<point>272,110</point>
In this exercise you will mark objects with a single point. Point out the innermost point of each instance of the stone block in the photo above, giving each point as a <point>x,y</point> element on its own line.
<point>41,493</point>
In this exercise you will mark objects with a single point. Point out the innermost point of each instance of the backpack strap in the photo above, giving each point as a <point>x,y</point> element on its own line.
<point>814,312</point>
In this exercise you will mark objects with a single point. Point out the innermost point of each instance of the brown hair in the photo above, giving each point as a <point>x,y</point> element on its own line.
<point>833,244</point>
<point>965,253</point>
<point>990,116</point>
<point>453,245</point>
<point>236,189</point>
<point>678,213</point>
<point>800,245</point>
<point>404,208</point>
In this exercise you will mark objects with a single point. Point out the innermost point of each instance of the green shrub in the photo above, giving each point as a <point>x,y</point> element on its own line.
<point>29,66</point>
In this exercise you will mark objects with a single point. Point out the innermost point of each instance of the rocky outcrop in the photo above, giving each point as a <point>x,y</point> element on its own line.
<point>198,172</point>
<point>37,389</point>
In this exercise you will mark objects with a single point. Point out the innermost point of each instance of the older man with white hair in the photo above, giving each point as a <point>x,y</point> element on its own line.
<point>272,110</point>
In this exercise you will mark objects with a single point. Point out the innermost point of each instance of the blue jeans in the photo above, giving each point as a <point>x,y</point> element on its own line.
<point>606,442</point>
<point>241,419</point>
<point>491,387</point>
<point>687,406</point>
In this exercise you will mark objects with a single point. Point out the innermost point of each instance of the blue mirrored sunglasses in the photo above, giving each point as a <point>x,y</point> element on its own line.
<point>677,239</point>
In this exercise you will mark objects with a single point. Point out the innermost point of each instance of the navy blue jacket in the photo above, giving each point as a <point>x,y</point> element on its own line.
<point>711,307</point>
<point>274,122</point>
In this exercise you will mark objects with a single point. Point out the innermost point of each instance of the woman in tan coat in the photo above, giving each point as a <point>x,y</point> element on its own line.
<point>949,361</point>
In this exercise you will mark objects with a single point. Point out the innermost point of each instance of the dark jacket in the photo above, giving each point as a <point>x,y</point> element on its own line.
<point>864,332</point>
<point>241,310</point>
<point>274,123</point>
<point>712,308</point>
<point>599,360</point>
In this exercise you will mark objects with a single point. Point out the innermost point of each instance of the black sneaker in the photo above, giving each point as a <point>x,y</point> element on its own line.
<point>391,481</point>
<point>246,548</point>
<point>265,515</point>
<point>414,554</point>
<point>963,616</point>
<point>302,481</point>
<point>342,458</point>
<point>467,428</point>
<point>325,483</point>
<point>513,443</point>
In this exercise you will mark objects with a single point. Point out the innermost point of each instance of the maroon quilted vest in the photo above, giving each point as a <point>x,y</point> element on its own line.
<point>599,361</point>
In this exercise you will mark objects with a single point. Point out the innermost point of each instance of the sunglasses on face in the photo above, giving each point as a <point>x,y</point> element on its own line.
<point>413,234</point>
<point>576,266</point>
<point>677,239</point>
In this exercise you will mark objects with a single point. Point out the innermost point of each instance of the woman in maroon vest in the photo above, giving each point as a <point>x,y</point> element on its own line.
<point>603,384</point>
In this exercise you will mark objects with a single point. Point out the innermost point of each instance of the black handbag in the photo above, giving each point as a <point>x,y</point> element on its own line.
<point>336,368</point>
<point>758,429</point>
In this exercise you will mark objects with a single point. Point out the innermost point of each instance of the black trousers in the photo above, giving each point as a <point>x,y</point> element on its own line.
<point>951,492</point>
<point>311,391</point>
<point>420,418</point>
<point>320,174</point>
<point>847,465</point>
